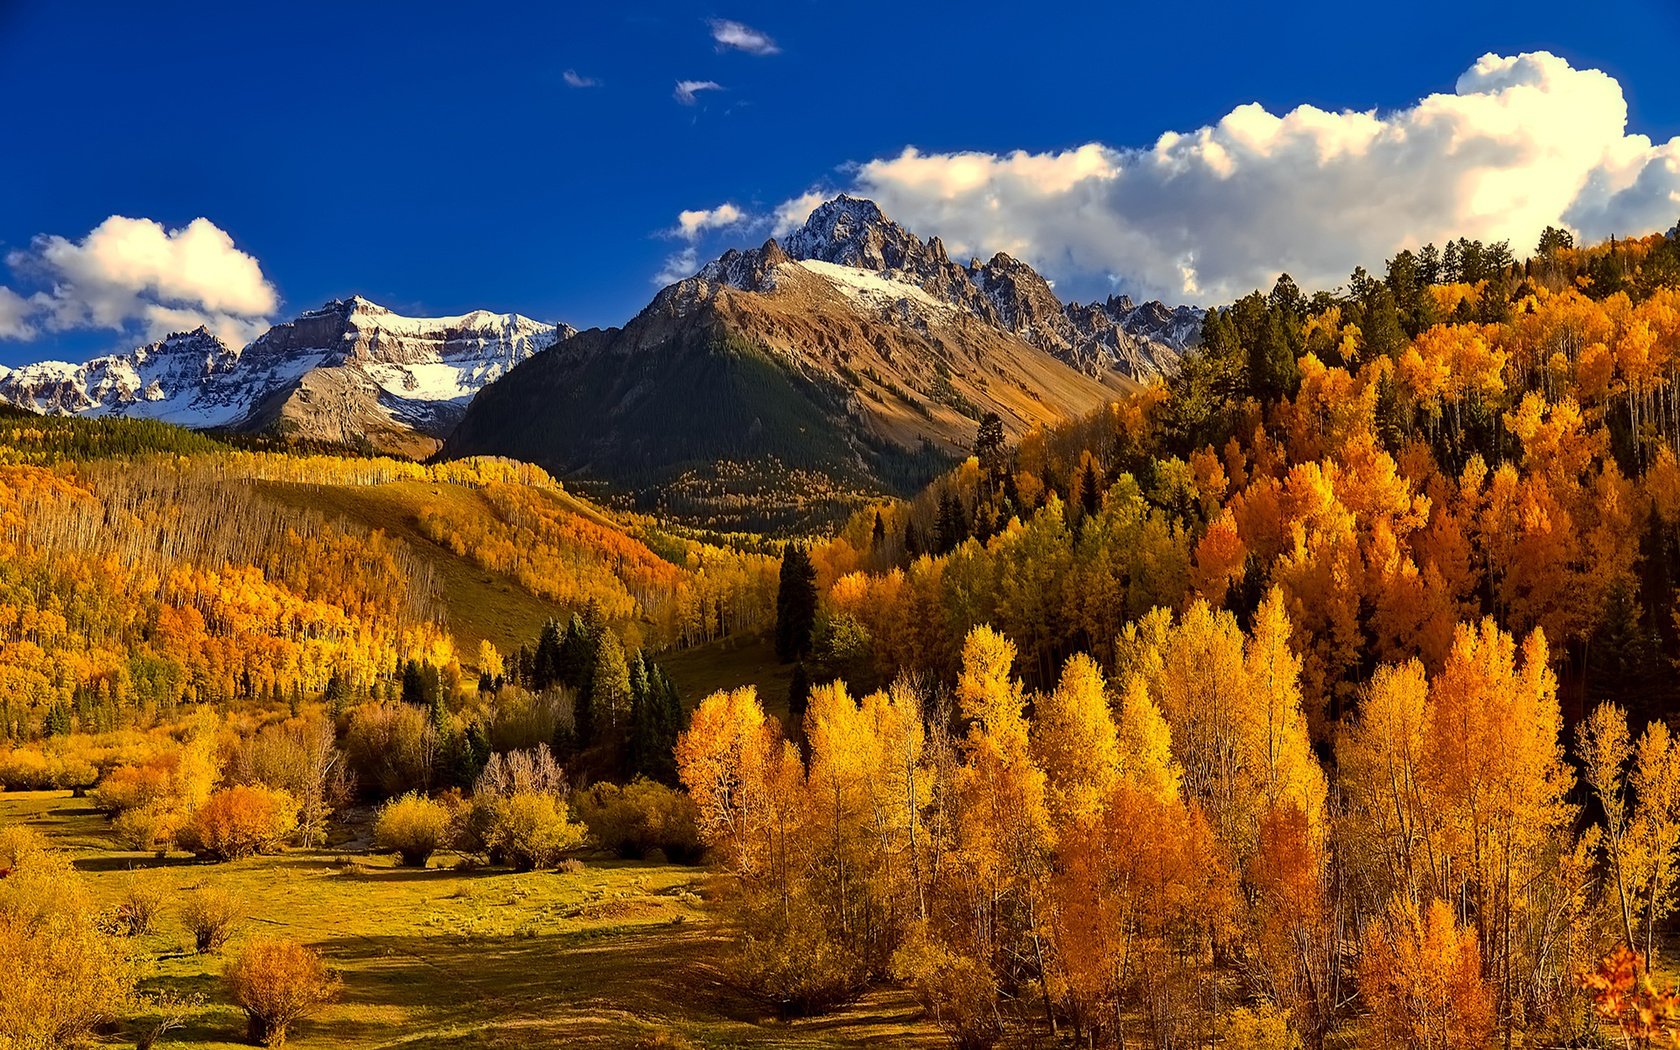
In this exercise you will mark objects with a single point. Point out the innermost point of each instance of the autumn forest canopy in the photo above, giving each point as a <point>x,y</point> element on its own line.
<point>1320,694</point>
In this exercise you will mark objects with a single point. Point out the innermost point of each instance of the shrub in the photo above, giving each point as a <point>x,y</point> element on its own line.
<point>242,821</point>
<point>278,983</point>
<point>530,830</point>
<point>151,828</point>
<point>517,772</point>
<point>640,818</point>
<point>142,900</point>
<point>34,769</point>
<point>209,914</point>
<point>1263,1028</point>
<point>62,975</point>
<point>391,747</point>
<point>955,989</point>
<point>796,967</point>
<point>300,756</point>
<point>414,827</point>
<point>179,778</point>
<point>133,787</point>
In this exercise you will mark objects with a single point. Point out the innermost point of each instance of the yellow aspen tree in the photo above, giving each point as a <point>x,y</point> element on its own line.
<point>1389,842</point>
<point>735,764</point>
<point>1003,833</point>
<point>1282,758</point>
<point>1496,774</point>
<point>1420,975</point>
<point>1144,742</point>
<point>1075,741</point>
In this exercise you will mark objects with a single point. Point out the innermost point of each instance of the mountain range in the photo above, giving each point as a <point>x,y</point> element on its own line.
<point>351,373</point>
<point>844,358</point>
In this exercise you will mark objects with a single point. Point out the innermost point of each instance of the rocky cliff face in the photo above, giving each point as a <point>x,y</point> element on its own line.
<point>348,371</point>
<point>1137,342</point>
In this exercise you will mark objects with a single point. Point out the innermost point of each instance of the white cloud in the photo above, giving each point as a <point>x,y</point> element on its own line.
<point>791,214</point>
<point>741,37</point>
<point>133,273</point>
<point>577,80</point>
<point>14,315</point>
<point>691,224</point>
<point>1210,214</point>
<point>687,90</point>
<point>678,266</point>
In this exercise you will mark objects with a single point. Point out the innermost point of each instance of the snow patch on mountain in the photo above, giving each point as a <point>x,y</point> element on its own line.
<point>873,290</point>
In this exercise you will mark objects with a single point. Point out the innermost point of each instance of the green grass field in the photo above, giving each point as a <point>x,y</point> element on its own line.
<point>610,956</point>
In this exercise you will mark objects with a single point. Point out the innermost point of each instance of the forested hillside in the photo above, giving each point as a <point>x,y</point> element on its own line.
<point>147,570</point>
<point>1233,711</point>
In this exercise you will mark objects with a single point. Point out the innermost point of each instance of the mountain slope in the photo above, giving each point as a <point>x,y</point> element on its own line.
<point>349,372</point>
<point>863,366</point>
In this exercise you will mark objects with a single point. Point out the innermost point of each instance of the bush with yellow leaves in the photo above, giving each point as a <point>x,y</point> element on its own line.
<point>61,974</point>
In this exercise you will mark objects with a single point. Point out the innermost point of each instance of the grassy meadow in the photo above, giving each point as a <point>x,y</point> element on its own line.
<point>615,954</point>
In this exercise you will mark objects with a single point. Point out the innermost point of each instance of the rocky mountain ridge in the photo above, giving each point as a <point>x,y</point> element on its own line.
<point>1140,342</point>
<point>347,372</point>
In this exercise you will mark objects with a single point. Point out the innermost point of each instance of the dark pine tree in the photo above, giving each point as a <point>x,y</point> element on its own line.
<point>641,736</point>
<point>1090,489</point>
<point>799,701</point>
<point>796,603</point>
<point>545,664</point>
<point>420,685</point>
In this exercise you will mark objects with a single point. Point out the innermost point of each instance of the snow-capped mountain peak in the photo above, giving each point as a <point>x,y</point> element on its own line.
<point>399,372</point>
<point>881,266</point>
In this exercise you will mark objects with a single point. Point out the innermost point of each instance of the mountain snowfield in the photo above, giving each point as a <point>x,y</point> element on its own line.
<point>398,373</point>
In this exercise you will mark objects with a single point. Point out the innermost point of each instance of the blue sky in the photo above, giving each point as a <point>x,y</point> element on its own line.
<point>436,159</point>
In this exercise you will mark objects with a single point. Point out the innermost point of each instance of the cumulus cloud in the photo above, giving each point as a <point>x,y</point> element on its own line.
<point>687,91</point>
<point>135,274</point>
<point>14,315</point>
<point>691,224</point>
<point>741,37</point>
<point>1206,215</point>
<point>577,80</point>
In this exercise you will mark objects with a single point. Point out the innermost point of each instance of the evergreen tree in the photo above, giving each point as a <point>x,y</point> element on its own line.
<point>641,731</point>
<point>609,693</point>
<point>1553,239</point>
<point>951,529</point>
<point>420,684</point>
<point>576,660</point>
<point>912,541</point>
<point>1090,489</point>
<point>799,700</point>
<point>547,662</point>
<point>336,695</point>
<point>878,534</point>
<point>1272,372</point>
<point>796,603</point>
<point>1429,265</point>
<point>1383,334</point>
<point>989,449</point>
